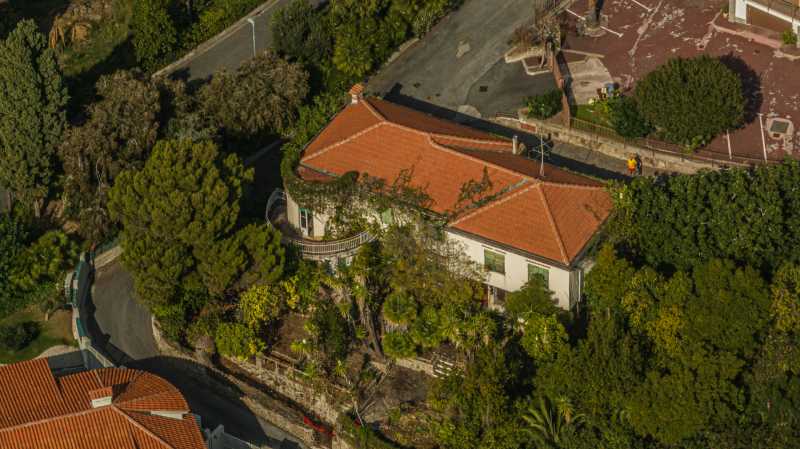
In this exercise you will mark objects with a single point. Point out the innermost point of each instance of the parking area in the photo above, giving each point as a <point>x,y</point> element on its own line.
<point>459,67</point>
<point>643,34</point>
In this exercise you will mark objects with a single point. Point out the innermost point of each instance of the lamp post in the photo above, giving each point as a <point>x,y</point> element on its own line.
<point>253,25</point>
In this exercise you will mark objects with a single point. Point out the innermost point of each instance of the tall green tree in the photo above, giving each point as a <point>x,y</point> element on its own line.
<point>262,97</point>
<point>690,101</point>
<point>751,216</point>
<point>12,245</point>
<point>32,113</point>
<point>476,408</point>
<point>179,217</point>
<point>154,33</point>
<point>121,128</point>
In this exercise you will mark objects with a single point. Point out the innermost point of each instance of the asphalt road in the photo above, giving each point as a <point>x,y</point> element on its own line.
<point>236,48</point>
<point>123,329</point>
<point>459,65</point>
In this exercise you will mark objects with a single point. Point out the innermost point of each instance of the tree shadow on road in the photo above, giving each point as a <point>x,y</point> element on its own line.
<point>215,399</point>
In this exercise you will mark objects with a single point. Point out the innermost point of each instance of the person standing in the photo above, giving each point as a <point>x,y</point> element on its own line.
<point>631,165</point>
<point>639,166</point>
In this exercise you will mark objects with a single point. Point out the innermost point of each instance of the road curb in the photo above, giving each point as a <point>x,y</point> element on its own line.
<point>205,46</point>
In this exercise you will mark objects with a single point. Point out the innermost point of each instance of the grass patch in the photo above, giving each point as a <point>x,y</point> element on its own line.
<point>55,331</point>
<point>99,48</point>
<point>597,113</point>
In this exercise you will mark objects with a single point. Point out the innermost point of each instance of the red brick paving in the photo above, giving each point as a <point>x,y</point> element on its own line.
<point>686,28</point>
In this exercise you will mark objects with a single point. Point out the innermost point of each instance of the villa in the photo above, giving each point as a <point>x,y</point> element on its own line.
<point>105,408</point>
<point>532,220</point>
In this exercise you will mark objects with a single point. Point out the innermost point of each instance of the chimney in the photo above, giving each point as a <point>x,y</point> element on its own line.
<point>101,397</point>
<point>515,145</point>
<point>357,93</point>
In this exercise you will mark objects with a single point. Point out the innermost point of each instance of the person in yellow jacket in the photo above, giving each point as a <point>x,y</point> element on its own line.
<point>632,165</point>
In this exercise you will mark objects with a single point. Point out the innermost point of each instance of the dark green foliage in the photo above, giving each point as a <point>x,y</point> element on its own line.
<point>476,408</point>
<point>32,113</point>
<point>179,216</point>
<point>12,244</point>
<point>261,99</point>
<point>691,100</point>
<point>18,336</point>
<point>154,33</point>
<point>545,105</point>
<point>534,297</point>
<point>752,216</point>
<point>681,360</point>
<point>399,345</point>
<point>626,118</point>
<point>302,33</point>
<point>332,333</point>
<point>121,128</point>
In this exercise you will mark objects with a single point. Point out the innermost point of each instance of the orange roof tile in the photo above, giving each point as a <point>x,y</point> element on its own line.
<point>553,215</point>
<point>38,410</point>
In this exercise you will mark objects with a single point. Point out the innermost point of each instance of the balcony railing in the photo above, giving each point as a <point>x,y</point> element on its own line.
<point>311,249</point>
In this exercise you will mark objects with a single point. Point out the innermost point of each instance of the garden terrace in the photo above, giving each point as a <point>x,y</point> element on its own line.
<point>311,249</point>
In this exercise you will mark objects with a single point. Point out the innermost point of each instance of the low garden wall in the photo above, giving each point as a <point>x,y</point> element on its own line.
<point>78,285</point>
<point>282,381</point>
<point>618,148</point>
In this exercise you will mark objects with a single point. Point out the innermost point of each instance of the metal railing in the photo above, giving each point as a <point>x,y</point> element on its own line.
<point>315,250</point>
<point>784,7</point>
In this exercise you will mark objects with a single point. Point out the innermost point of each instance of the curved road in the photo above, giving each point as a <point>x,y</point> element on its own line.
<point>123,328</point>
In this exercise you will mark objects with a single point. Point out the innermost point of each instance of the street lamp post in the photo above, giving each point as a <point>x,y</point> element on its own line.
<point>253,25</point>
<point>763,140</point>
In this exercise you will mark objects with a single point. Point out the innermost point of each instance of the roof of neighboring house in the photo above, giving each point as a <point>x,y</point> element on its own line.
<point>39,410</point>
<point>553,215</point>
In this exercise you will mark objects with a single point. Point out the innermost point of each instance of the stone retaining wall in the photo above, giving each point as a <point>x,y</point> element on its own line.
<point>610,147</point>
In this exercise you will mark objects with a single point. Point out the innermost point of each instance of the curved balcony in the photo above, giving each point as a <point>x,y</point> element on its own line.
<point>310,249</point>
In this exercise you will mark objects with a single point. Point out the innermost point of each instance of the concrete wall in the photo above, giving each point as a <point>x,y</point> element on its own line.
<point>755,13</point>
<point>516,269</point>
<point>651,158</point>
<point>293,215</point>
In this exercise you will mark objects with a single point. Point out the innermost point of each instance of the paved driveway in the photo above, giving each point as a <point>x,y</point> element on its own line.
<point>459,65</point>
<point>236,48</point>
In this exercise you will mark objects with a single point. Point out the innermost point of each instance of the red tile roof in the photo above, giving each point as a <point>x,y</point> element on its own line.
<point>553,215</point>
<point>40,411</point>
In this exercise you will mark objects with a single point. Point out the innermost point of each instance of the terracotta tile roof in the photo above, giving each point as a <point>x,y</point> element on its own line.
<point>554,221</point>
<point>553,216</point>
<point>40,411</point>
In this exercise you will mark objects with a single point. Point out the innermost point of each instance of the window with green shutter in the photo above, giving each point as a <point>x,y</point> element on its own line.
<point>494,262</point>
<point>543,273</point>
<point>387,217</point>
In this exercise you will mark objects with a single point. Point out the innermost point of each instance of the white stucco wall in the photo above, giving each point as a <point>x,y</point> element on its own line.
<point>516,268</point>
<point>739,10</point>
<point>740,13</point>
<point>293,215</point>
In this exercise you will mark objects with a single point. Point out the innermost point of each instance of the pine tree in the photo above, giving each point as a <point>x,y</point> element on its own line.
<point>32,115</point>
<point>179,215</point>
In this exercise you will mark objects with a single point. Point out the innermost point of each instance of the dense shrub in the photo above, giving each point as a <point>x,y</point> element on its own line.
<point>751,216</point>
<point>789,37</point>
<point>626,118</point>
<point>399,345</point>
<point>18,336</point>
<point>331,332</point>
<point>237,340</point>
<point>545,105</point>
<point>690,101</point>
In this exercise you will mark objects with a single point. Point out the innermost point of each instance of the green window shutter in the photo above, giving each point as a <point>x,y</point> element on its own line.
<point>387,217</point>
<point>494,262</point>
<point>543,273</point>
